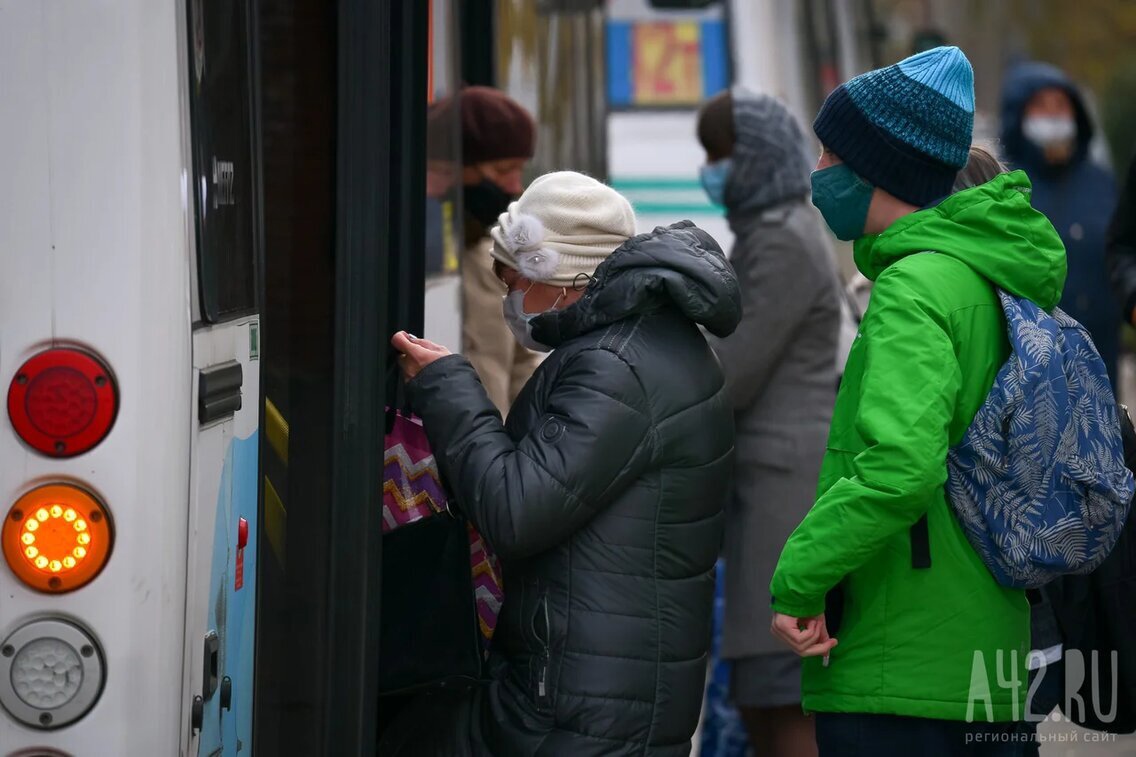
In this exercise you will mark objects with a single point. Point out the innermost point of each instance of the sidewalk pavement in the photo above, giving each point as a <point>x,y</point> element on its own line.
<point>1063,739</point>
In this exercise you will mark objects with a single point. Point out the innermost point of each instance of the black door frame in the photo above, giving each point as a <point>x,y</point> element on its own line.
<point>379,235</point>
<point>477,30</point>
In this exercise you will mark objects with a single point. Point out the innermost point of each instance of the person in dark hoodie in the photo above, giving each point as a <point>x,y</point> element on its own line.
<point>602,494</point>
<point>1046,131</point>
<point>780,368</point>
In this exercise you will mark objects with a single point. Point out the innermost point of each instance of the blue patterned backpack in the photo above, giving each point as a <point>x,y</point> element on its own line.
<point>1038,482</point>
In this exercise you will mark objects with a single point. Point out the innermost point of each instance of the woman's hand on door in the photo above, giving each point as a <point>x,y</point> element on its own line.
<point>415,353</point>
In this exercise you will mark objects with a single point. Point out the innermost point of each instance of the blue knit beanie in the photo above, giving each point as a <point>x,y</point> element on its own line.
<point>905,128</point>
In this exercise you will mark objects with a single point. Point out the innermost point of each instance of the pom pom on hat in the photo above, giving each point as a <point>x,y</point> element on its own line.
<point>522,235</point>
<point>564,225</point>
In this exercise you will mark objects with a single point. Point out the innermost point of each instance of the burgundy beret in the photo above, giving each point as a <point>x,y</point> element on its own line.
<point>494,126</point>
<point>442,119</point>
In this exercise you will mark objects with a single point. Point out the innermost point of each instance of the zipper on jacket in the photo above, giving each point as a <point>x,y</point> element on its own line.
<point>543,700</point>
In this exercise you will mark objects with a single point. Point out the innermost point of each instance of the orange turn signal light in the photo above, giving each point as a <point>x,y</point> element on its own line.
<point>56,538</point>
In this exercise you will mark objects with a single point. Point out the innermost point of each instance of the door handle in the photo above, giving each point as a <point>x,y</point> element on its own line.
<point>226,693</point>
<point>197,715</point>
<point>211,663</point>
<point>219,392</point>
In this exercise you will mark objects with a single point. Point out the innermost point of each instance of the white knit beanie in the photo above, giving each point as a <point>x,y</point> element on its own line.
<point>565,224</point>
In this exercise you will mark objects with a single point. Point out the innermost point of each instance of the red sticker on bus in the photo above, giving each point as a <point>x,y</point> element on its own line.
<point>242,540</point>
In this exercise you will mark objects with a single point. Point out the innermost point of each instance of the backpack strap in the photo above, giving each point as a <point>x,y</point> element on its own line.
<point>920,544</point>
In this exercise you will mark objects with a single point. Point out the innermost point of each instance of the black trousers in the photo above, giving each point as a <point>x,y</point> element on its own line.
<point>437,723</point>
<point>855,735</point>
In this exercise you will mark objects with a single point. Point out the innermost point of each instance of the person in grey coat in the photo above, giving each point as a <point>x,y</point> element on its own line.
<point>780,368</point>
<point>602,493</point>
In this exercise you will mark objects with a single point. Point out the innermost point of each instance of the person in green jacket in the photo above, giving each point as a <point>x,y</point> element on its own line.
<point>930,654</point>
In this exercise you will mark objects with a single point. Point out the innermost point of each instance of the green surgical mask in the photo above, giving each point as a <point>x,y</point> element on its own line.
<point>842,197</point>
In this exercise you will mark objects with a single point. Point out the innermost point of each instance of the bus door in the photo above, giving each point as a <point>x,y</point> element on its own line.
<point>341,112</point>
<point>221,570</point>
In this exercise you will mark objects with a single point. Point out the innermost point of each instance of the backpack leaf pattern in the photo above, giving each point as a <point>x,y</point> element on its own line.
<point>1038,482</point>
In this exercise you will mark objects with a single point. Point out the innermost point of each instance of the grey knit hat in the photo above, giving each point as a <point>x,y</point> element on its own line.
<point>771,160</point>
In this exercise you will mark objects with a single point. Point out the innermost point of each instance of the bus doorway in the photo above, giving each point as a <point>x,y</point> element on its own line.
<point>341,111</point>
<point>297,120</point>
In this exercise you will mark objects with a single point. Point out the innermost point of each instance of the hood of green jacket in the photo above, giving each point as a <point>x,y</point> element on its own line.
<point>992,228</point>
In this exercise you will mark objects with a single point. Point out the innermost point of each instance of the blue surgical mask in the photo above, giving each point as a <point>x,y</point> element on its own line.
<point>714,177</point>
<point>520,322</point>
<point>843,198</point>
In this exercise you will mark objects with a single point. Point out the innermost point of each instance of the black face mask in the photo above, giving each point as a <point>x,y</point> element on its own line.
<point>485,201</point>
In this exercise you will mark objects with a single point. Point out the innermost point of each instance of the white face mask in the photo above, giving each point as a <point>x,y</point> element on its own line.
<point>1049,131</point>
<point>520,322</point>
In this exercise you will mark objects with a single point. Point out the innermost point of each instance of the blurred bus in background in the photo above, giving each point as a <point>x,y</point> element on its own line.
<point>615,87</point>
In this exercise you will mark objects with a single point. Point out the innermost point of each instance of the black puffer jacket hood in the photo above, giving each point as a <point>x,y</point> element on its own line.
<point>679,266</point>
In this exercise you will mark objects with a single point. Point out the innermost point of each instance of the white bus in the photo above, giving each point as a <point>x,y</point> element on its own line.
<point>206,229</point>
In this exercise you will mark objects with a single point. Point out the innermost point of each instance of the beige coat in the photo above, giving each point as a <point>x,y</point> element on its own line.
<point>503,365</point>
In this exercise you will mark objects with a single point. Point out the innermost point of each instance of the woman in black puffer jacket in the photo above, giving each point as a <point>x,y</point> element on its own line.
<point>603,493</point>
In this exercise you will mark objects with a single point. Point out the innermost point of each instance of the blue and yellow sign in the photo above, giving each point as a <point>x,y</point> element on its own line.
<point>665,63</point>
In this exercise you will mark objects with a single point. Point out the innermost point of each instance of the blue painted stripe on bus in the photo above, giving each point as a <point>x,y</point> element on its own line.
<point>676,209</point>
<point>661,184</point>
<point>664,195</point>
<point>619,89</point>
<point>714,58</point>
<point>241,621</point>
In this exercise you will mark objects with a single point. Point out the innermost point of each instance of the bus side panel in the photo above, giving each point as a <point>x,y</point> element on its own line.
<point>221,592</point>
<point>210,503</point>
<point>93,246</point>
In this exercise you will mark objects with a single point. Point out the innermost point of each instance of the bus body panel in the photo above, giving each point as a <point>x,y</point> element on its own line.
<point>221,586</point>
<point>94,250</point>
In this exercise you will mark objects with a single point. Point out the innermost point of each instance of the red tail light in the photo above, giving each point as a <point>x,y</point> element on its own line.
<point>62,402</point>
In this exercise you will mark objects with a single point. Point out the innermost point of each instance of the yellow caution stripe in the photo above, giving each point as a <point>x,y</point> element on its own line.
<point>276,428</point>
<point>275,521</point>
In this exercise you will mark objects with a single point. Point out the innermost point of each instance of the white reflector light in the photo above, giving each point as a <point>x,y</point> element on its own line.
<point>51,673</point>
<point>46,673</point>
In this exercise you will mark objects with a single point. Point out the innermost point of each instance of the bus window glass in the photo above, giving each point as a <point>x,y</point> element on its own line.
<point>662,62</point>
<point>444,232</point>
<point>223,165</point>
<point>443,159</point>
<point>551,61</point>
